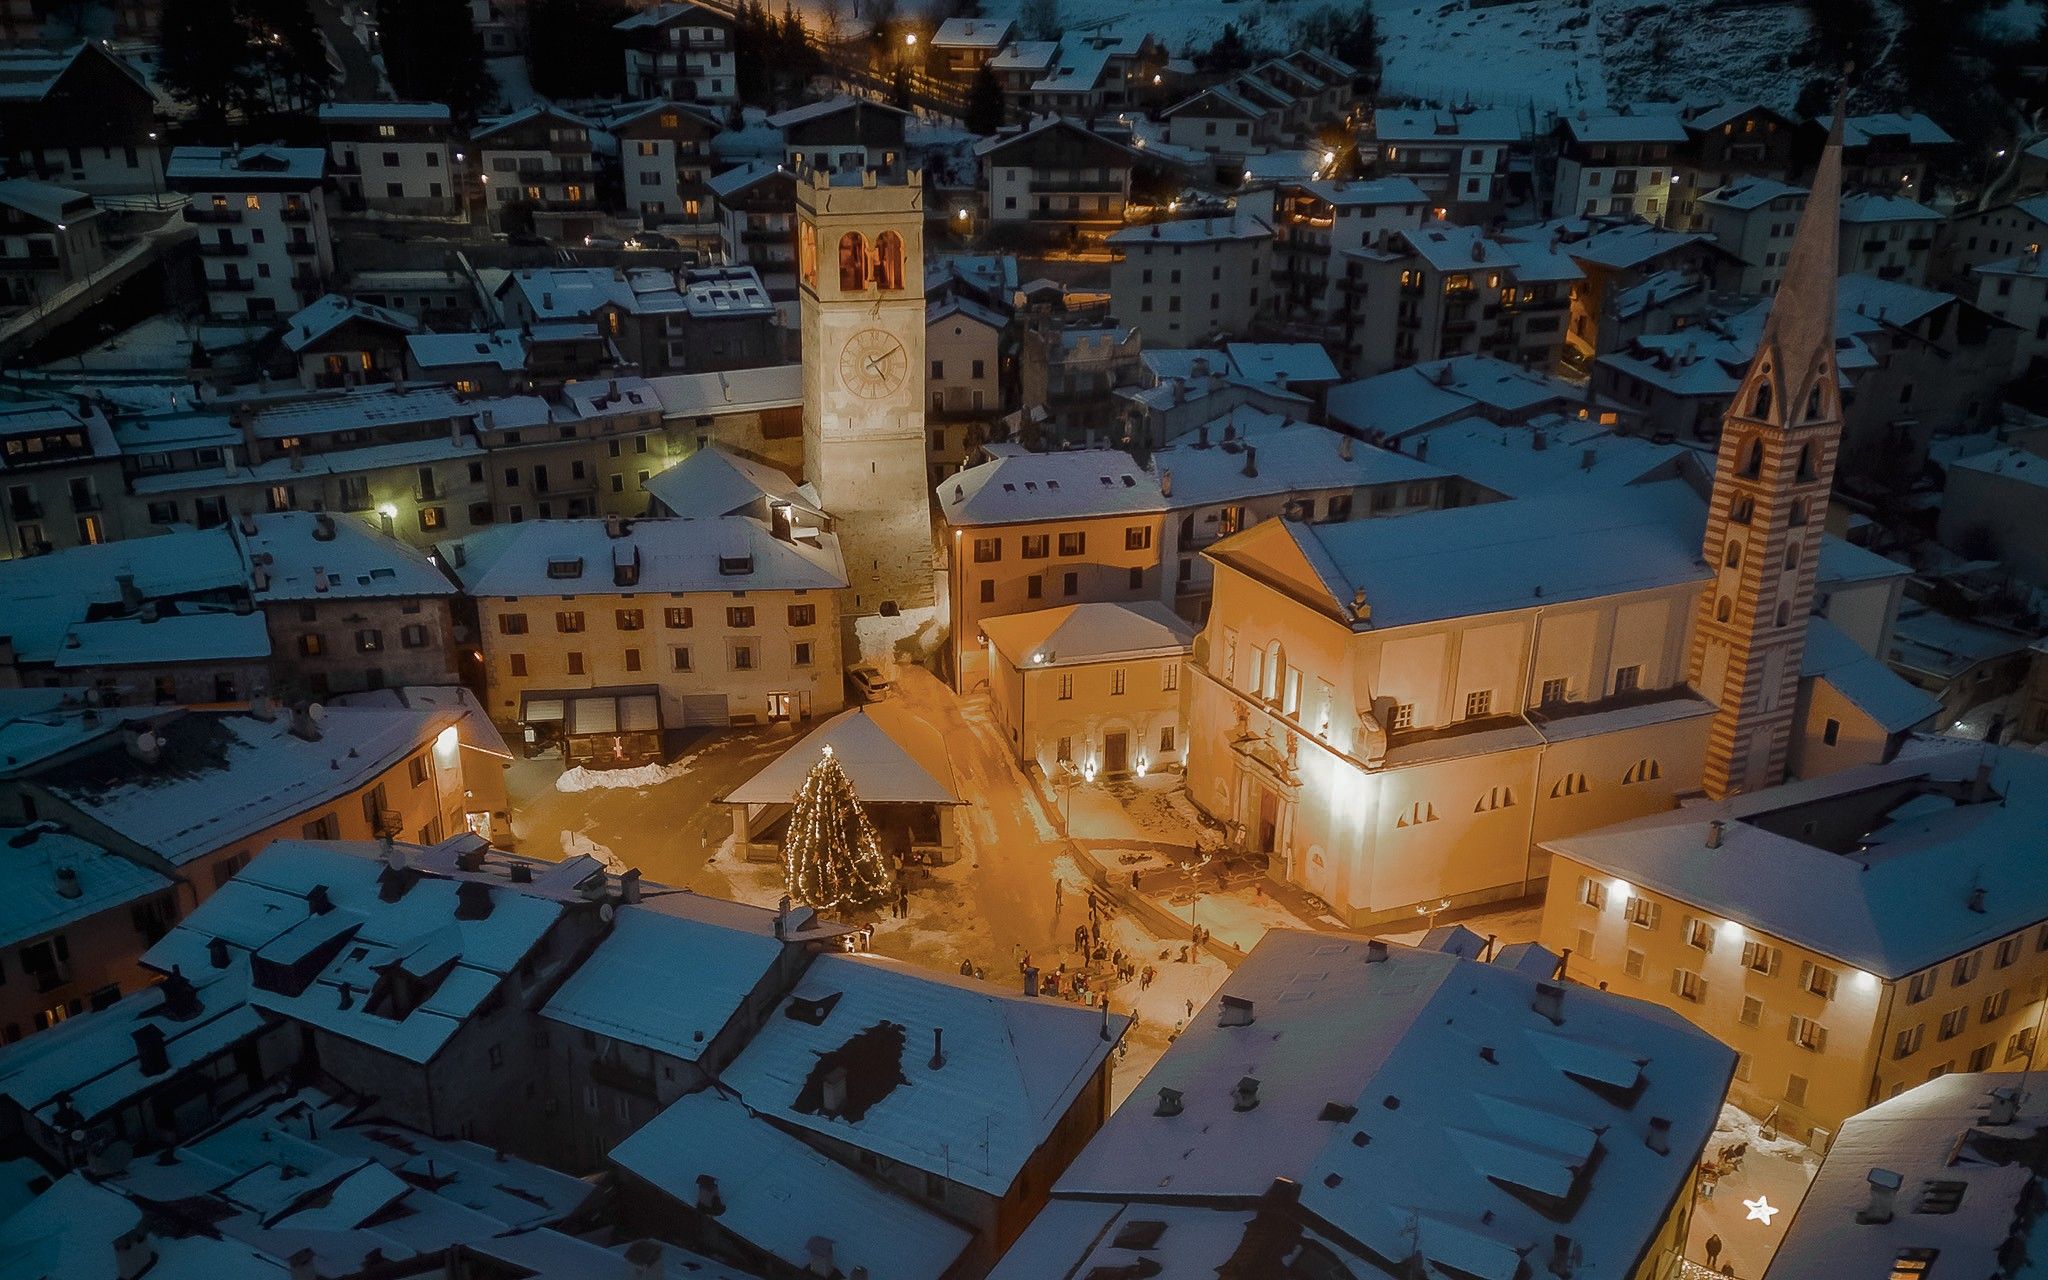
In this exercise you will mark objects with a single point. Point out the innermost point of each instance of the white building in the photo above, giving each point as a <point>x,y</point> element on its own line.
<point>1617,164</point>
<point>1360,1103</point>
<point>541,160</point>
<point>1191,280</point>
<point>262,216</point>
<point>679,51</point>
<point>1460,158</point>
<point>2016,289</point>
<point>665,161</point>
<point>394,157</point>
<point>1753,218</point>
<point>1887,236</point>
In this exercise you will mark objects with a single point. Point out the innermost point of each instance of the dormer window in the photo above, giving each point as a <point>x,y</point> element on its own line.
<point>567,567</point>
<point>733,565</point>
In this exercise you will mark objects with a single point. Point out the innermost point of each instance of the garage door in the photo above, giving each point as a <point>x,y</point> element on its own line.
<point>706,709</point>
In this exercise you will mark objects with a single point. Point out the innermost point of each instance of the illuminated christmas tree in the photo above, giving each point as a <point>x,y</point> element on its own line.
<point>831,853</point>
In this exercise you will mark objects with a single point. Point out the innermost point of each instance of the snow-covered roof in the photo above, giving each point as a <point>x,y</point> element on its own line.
<point>1892,894</point>
<point>1933,644</point>
<point>1076,634</point>
<point>1292,459</point>
<point>29,72</point>
<point>193,635</point>
<point>1055,124</point>
<point>70,1231</point>
<point>575,293</point>
<point>501,347</point>
<point>779,1193</point>
<point>53,595</point>
<point>1010,1066</point>
<point>973,33</point>
<point>223,776</point>
<point>1181,231</point>
<point>1917,129</point>
<point>226,167</point>
<point>832,106</point>
<point>581,557</point>
<point>1892,703</point>
<point>668,980</point>
<point>415,968</point>
<point>1966,1187</point>
<point>1454,127</point>
<point>1610,240</point>
<point>1396,1103</point>
<point>1843,562</point>
<point>2031,264</point>
<point>38,417</point>
<point>1450,248</point>
<point>730,182</point>
<point>46,201</point>
<point>330,311</point>
<point>51,878</point>
<point>487,128</point>
<point>1026,55</point>
<point>1166,364</point>
<point>302,555</point>
<point>2016,464</point>
<point>660,15</point>
<point>1292,167</point>
<point>1020,487</point>
<point>689,395</point>
<point>956,305</point>
<point>1860,207</point>
<point>1444,390</point>
<point>714,481</point>
<point>37,723</point>
<point>890,757</point>
<point>432,112</point>
<point>1551,454</point>
<point>1652,127</point>
<point>1751,192</point>
<point>1498,556</point>
<point>1277,363</point>
<point>366,408</point>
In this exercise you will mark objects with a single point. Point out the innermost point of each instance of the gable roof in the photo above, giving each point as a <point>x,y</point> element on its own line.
<point>896,763</point>
<point>1074,634</point>
<point>330,311</point>
<point>715,482</point>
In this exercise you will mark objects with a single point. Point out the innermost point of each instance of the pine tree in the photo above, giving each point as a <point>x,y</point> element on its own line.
<point>831,854</point>
<point>984,102</point>
<point>206,57</point>
<point>1041,19</point>
<point>433,54</point>
<point>294,54</point>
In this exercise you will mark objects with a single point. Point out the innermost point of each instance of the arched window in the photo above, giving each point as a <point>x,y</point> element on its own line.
<point>1724,610</point>
<point>807,253</point>
<point>1798,512</point>
<point>1806,471</point>
<point>1761,406</point>
<point>888,261</point>
<point>853,262</point>
<point>1753,460</point>
<point>1734,554</point>
<point>1784,615</point>
<point>1792,555</point>
<point>1813,402</point>
<point>1743,511</point>
<point>1275,673</point>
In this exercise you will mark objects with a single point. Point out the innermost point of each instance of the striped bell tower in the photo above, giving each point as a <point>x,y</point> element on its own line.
<point>1771,482</point>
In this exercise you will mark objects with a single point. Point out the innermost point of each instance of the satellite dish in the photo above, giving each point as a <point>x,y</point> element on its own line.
<point>606,911</point>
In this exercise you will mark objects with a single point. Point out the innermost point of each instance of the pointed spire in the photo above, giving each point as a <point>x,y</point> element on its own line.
<point>1800,331</point>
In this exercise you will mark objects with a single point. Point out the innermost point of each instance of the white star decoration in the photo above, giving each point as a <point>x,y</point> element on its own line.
<point>1760,1210</point>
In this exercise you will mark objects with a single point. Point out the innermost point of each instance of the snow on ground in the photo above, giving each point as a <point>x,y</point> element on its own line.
<point>646,775</point>
<point>515,90</point>
<point>163,344</point>
<point>1776,1169</point>
<point>910,636</point>
<point>575,843</point>
<point>1239,917</point>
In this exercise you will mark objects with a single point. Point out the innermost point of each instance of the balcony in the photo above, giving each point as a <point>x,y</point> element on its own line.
<point>222,249</point>
<point>301,248</point>
<point>30,262</point>
<point>1077,185</point>
<point>387,822</point>
<point>553,177</point>
<point>296,213</point>
<point>86,503</point>
<point>353,502</point>
<point>232,284</point>
<point>24,509</point>
<point>194,213</point>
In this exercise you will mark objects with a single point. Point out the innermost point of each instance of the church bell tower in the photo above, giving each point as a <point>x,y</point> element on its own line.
<point>860,286</point>
<point>1772,477</point>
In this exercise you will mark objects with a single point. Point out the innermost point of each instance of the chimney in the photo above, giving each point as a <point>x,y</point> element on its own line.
<point>1246,1095</point>
<point>820,1250</point>
<point>1659,1137</point>
<point>1422,449</point>
<point>1549,1002</point>
<point>1884,1189</point>
<point>306,724</point>
<point>832,1093</point>
<point>148,612</point>
<point>181,998</point>
<point>1251,460</point>
<point>1564,1257</point>
<point>259,578</point>
<point>132,1254</point>
<point>67,882</point>
<point>1714,829</point>
<point>323,527</point>
<point>143,746</point>
<point>645,1258</point>
<point>1202,436</point>
<point>1376,951</point>
<point>321,581</point>
<point>614,526</point>
<point>1344,447</point>
<point>938,1048</point>
<point>217,952</point>
<point>1539,440</point>
<point>262,708</point>
<point>2005,1106</point>
<point>302,1265</point>
<point>708,1199</point>
<point>629,885</point>
<point>151,1058</point>
<point>396,856</point>
<point>131,598</point>
<point>318,900</point>
<point>1975,902</point>
<point>1236,1012</point>
<point>1980,783</point>
<point>1165,482</point>
<point>1169,1103</point>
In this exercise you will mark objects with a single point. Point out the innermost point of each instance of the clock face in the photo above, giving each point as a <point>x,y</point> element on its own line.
<point>873,364</point>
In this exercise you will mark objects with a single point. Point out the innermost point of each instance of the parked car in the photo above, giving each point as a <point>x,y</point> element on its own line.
<point>869,685</point>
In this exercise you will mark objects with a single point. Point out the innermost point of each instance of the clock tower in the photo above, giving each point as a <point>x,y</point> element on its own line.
<point>860,286</point>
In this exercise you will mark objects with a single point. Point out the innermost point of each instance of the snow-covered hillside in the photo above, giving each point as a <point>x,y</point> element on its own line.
<point>1550,55</point>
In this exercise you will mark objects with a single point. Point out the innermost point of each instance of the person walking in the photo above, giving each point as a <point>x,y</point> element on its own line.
<point>1713,1251</point>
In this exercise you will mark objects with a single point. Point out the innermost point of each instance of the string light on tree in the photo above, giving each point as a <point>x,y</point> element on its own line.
<point>831,854</point>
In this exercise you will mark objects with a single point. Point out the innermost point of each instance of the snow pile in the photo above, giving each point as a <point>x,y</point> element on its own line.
<point>646,775</point>
<point>911,636</point>
<point>576,844</point>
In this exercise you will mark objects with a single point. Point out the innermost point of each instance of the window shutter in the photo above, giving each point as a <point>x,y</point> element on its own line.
<point>1806,974</point>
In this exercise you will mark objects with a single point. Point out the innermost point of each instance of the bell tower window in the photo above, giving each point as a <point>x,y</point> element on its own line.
<point>853,262</point>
